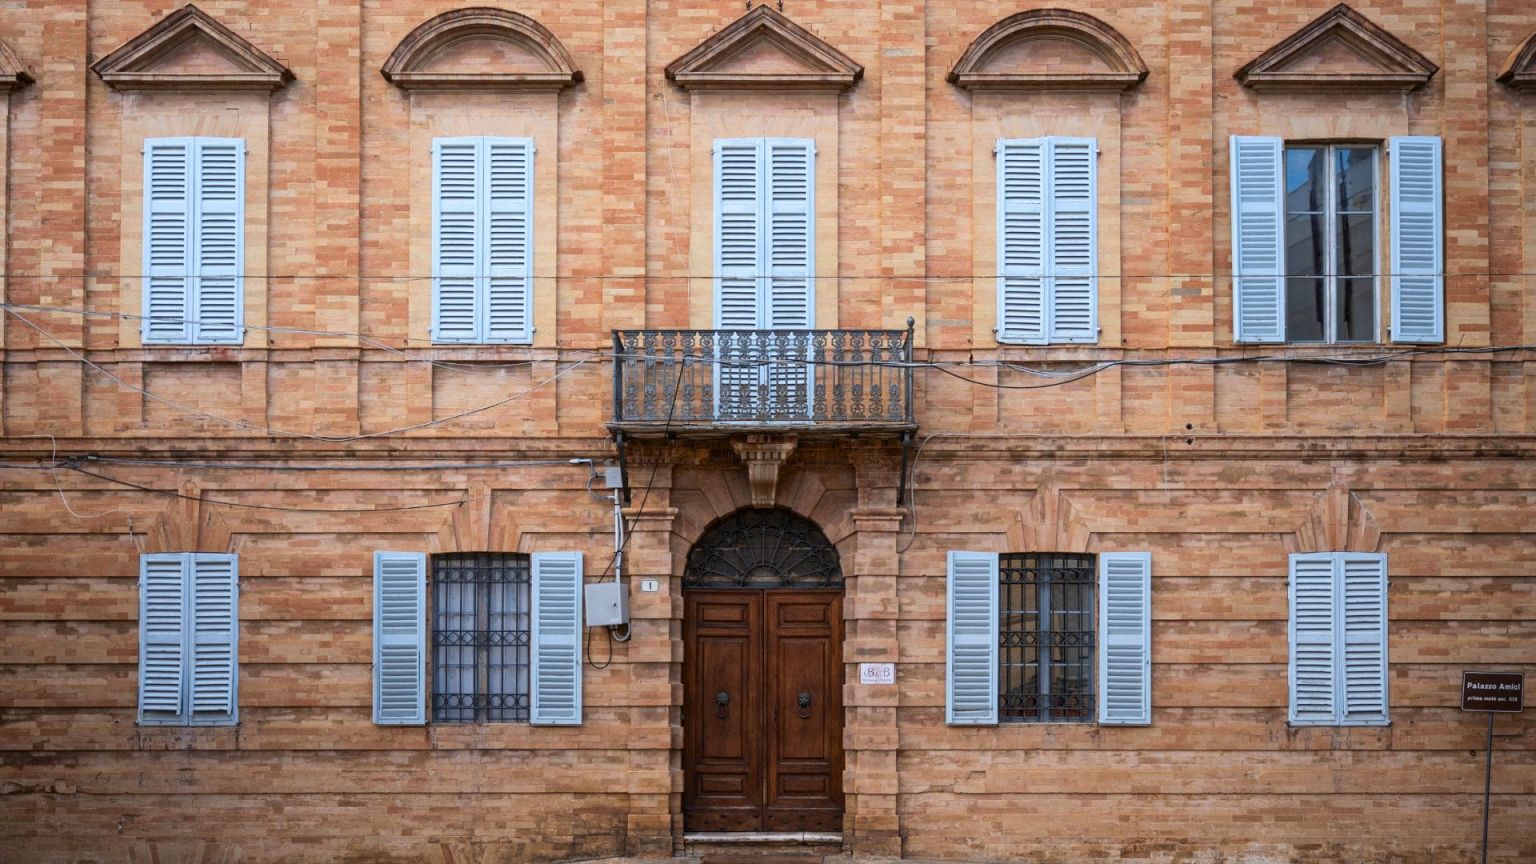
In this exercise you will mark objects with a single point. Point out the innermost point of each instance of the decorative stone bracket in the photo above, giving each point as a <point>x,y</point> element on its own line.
<point>763,454</point>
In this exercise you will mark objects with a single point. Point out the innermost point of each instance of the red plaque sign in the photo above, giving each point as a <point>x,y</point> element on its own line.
<point>1493,691</point>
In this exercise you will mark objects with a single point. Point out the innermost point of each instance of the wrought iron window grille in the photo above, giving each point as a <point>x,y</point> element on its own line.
<point>1047,637</point>
<point>763,549</point>
<point>481,637</point>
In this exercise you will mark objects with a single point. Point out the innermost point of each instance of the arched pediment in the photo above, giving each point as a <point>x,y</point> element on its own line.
<point>1340,49</point>
<point>1519,69</point>
<point>1055,49</point>
<point>481,49</point>
<point>764,49</point>
<point>189,50</point>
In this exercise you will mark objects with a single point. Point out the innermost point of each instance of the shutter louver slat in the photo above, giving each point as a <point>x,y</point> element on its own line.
<point>167,240</point>
<point>1021,291</point>
<point>1313,661</point>
<point>214,627</point>
<point>1364,636</point>
<point>219,247</point>
<point>399,638</point>
<point>1418,281</point>
<point>1125,653</point>
<point>162,636</point>
<point>1071,300</point>
<point>556,657</point>
<point>456,219</point>
<point>1258,263</point>
<point>971,658</point>
<point>509,246</point>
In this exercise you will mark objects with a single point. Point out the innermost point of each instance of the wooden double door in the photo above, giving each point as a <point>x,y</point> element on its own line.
<point>763,710</point>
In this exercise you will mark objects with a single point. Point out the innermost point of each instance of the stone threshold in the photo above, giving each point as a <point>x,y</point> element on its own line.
<point>756,837</point>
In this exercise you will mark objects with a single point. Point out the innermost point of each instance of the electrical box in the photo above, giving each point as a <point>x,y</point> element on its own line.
<point>607,604</point>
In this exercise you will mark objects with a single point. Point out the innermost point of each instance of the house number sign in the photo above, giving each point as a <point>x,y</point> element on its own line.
<point>877,673</point>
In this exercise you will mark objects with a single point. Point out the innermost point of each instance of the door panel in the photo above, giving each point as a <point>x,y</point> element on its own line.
<point>764,761</point>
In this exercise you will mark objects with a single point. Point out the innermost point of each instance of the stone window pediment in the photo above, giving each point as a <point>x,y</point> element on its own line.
<point>481,49</point>
<point>1519,69</point>
<point>1049,49</point>
<point>189,50</point>
<point>764,49</point>
<point>1341,49</point>
<point>12,73</point>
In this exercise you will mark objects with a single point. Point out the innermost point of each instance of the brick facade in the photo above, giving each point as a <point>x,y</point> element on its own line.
<point>278,449</point>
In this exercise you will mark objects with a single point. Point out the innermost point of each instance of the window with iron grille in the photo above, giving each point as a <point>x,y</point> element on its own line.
<point>480,637</point>
<point>1046,637</point>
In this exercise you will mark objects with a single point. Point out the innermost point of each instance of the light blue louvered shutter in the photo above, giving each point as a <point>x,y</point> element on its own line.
<point>1258,239</point>
<point>457,217</point>
<point>971,643</point>
<point>740,265</point>
<point>162,637</point>
<point>214,632</point>
<point>790,247</point>
<point>1363,633</point>
<point>556,661</point>
<point>399,638</point>
<point>1072,241</point>
<point>1418,240</point>
<point>168,182</point>
<point>1125,643</point>
<point>509,240</point>
<point>1022,166</point>
<point>218,247</point>
<point>1313,667</point>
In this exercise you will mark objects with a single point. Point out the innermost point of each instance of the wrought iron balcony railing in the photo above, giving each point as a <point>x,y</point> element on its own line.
<point>831,380</point>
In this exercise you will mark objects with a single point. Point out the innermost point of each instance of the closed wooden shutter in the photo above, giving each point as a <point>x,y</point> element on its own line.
<point>556,658</point>
<point>168,192</point>
<point>1072,230</point>
<point>456,230</point>
<point>1022,188</point>
<point>739,252</point>
<point>218,248</point>
<point>971,643</point>
<point>509,240</point>
<point>1314,658</point>
<point>1125,638</point>
<point>1363,625</point>
<point>1418,240</point>
<point>214,640</point>
<point>790,205</point>
<point>1258,239</point>
<point>399,637</point>
<point>162,637</point>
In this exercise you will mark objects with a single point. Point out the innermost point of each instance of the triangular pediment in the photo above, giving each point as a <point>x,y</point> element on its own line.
<point>1049,49</point>
<point>1341,49</point>
<point>12,73</point>
<point>189,50</point>
<point>1519,69</point>
<point>764,49</point>
<point>480,49</point>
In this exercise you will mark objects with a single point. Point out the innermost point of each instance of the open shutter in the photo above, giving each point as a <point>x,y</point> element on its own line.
<point>214,645</point>
<point>1125,646</point>
<point>1418,237</point>
<point>167,240</point>
<point>456,220</point>
<point>556,666</point>
<point>218,247</point>
<point>1258,240</point>
<point>1313,661</point>
<point>971,659</point>
<point>1021,254</point>
<point>1363,622</point>
<point>1072,230</point>
<point>509,243</point>
<point>162,636</point>
<point>399,637</point>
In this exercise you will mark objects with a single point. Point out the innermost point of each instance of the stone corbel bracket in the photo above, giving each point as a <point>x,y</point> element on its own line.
<point>763,454</point>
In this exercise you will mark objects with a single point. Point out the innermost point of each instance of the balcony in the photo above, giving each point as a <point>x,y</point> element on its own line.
<point>711,382</point>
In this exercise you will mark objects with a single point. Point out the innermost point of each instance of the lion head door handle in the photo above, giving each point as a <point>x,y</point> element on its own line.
<point>722,704</point>
<point>803,705</point>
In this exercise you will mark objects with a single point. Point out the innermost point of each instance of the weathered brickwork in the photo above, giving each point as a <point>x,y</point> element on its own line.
<point>334,431</point>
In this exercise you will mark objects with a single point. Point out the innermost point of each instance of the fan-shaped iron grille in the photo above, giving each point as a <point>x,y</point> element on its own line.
<point>763,549</point>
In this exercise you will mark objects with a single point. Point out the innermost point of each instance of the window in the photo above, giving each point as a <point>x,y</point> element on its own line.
<point>1042,637</point>
<point>188,643</point>
<point>1047,238</point>
<point>482,240</point>
<point>1307,254</point>
<point>1338,639</point>
<point>194,241</point>
<point>505,638</point>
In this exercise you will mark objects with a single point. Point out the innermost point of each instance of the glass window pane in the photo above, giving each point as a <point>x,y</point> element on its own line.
<point>1356,310</point>
<point>1304,305</point>
<point>1304,183</point>
<point>1305,252</point>
<point>1355,170</point>
<point>1357,245</point>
